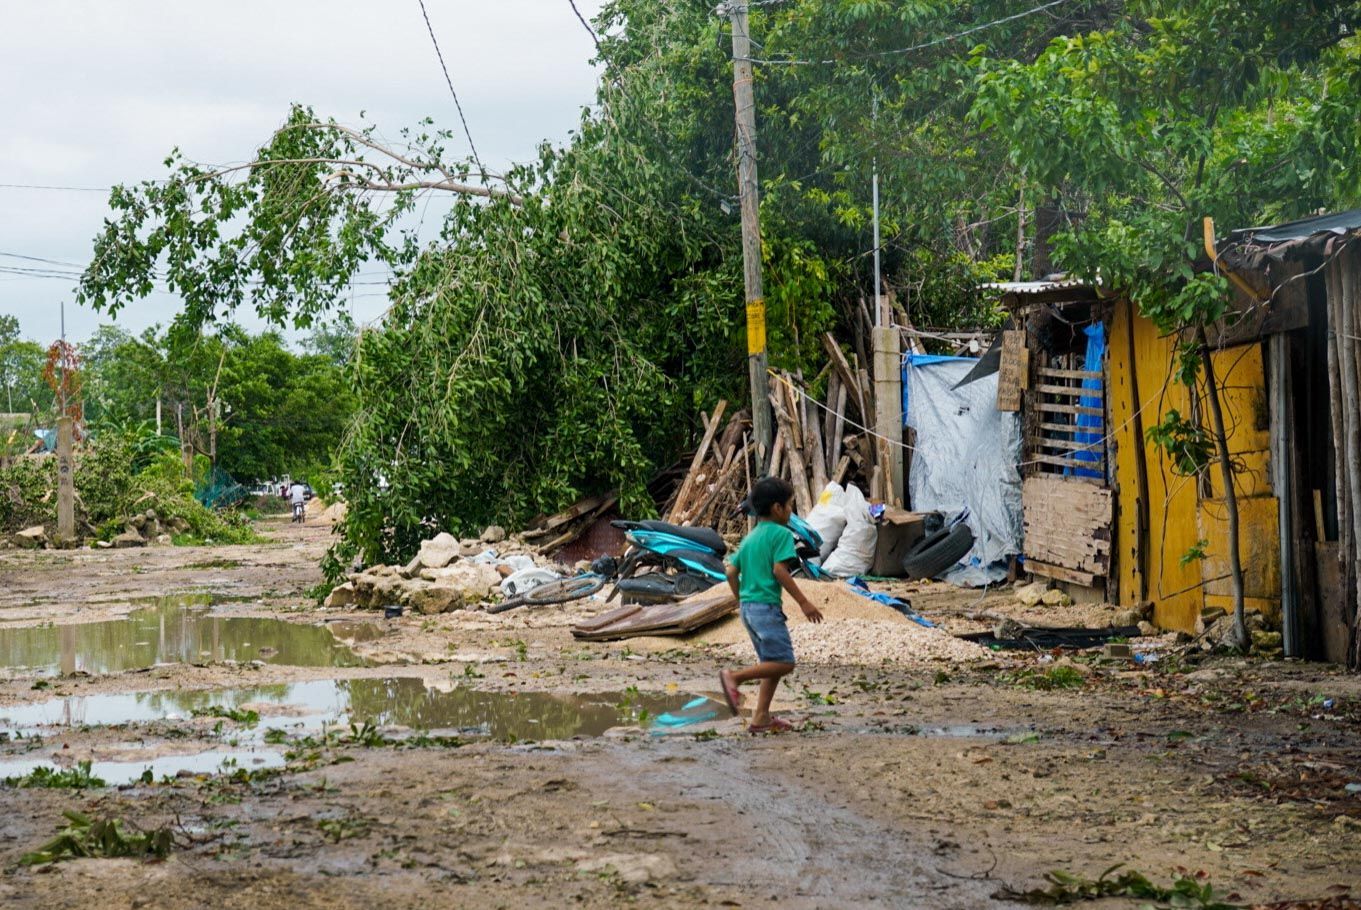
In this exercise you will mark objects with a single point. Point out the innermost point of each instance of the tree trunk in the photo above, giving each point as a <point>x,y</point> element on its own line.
<point>1240,628</point>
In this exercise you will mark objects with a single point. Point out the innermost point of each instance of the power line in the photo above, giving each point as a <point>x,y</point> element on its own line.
<point>41,259</point>
<point>915,47</point>
<point>459,107</point>
<point>46,186</point>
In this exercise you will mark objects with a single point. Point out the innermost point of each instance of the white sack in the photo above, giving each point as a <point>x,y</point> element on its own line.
<point>527,579</point>
<point>828,517</point>
<point>854,553</point>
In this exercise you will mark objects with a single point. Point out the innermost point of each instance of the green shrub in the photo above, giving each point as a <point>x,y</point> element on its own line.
<point>110,487</point>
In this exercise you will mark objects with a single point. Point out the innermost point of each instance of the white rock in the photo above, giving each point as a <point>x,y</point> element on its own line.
<point>1033,593</point>
<point>128,539</point>
<point>341,595</point>
<point>31,538</point>
<point>494,534</point>
<point>439,551</point>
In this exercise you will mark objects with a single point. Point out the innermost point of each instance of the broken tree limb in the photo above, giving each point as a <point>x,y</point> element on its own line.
<point>844,373</point>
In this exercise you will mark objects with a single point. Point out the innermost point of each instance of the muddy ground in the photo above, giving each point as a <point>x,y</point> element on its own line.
<point>916,785</point>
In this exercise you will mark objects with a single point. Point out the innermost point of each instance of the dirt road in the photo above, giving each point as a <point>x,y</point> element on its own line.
<point>307,759</point>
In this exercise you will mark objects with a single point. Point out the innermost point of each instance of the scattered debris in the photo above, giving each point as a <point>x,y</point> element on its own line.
<point>1067,888</point>
<point>104,837</point>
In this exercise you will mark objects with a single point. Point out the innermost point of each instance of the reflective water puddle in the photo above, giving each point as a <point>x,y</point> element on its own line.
<point>391,701</point>
<point>179,629</point>
<point>115,773</point>
<point>310,708</point>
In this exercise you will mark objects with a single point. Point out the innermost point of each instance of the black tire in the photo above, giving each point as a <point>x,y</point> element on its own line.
<point>689,584</point>
<point>565,591</point>
<point>938,552</point>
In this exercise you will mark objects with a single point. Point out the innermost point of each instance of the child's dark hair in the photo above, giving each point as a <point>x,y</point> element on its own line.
<point>768,493</point>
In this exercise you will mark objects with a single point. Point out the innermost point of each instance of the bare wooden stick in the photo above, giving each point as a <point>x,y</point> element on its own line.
<point>777,453</point>
<point>838,426</point>
<point>829,417</point>
<point>817,455</point>
<point>700,454</point>
<point>798,474</point>
<point>839,475</point>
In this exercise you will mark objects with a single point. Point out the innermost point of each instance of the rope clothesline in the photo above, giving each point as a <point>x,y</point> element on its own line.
<point>1094,446</point>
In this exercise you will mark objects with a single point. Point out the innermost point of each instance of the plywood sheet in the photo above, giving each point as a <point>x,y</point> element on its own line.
<point>659,619</point>
<point>1067,523</point>
<point>1013,372</point>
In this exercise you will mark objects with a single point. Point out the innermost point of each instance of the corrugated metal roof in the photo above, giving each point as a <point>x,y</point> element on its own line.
<point>1022,288</point>
<point>1336,223</point>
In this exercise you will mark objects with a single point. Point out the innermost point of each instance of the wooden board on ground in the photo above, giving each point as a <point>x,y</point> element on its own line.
<point>632,621</point>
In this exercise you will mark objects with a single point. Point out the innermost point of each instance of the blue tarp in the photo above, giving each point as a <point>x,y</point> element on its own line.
<point>1096,354</point>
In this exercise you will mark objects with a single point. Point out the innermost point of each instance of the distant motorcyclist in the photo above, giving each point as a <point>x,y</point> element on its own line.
<point>297,496</point>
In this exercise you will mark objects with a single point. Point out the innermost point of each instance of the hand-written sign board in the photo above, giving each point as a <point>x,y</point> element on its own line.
<point>1013,375</point>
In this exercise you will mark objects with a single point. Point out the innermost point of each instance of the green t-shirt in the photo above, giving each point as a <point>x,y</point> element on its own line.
<point>768,544</point>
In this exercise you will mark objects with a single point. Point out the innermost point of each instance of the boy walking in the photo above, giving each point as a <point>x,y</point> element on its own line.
<point>756,573</point>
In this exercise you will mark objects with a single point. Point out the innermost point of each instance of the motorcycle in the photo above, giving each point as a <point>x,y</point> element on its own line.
<point>685,561</point>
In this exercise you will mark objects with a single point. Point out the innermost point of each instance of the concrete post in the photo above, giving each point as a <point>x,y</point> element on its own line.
<point>888,408</point>
<point>66,481</point>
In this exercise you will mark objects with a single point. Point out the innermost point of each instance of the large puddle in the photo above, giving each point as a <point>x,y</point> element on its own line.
<point>179,629</point>
<point>391,701</point>
<point>310,708</point>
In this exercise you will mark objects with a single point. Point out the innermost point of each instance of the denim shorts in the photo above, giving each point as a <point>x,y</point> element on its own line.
<point>766,625</point>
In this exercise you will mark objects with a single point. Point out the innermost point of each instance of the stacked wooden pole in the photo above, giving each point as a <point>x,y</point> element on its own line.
<point>816,441</point>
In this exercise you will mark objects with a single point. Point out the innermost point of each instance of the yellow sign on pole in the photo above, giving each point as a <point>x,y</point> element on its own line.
<point>756,327</point>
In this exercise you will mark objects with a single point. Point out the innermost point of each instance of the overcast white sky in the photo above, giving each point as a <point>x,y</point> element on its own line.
<point>96,93</point>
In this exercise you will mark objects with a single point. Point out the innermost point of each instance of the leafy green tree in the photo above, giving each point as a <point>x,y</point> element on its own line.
<point>260,408</point>
<point>21,370</point>
<point>557,336</point>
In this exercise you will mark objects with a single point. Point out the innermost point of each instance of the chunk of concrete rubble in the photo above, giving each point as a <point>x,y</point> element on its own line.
<point>1033,593</point>
<point>494,534</point>
<point>376,589</point>
<point>31,538</point>
<point>411,569</point>
<point>129,539</point>
<point>341,595</point>
<point>1056,598</point>
<point>455,587</point>
<point>439,551</point>
<point>1147,628</point>
<point>429,599</point>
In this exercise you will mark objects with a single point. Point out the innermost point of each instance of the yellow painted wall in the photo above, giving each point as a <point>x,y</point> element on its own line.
<point>1177,518</point>
<point>1136,349</point>
<point>1243,396</point>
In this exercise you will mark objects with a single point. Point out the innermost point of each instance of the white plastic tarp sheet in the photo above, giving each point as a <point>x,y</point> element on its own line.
<point>966,457</point>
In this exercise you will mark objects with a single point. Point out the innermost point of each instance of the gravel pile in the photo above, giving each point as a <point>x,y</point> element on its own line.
<point>877,641</point>
<point>855,630</point>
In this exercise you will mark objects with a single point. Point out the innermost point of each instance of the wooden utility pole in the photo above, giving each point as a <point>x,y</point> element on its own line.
<point>745,101</point>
